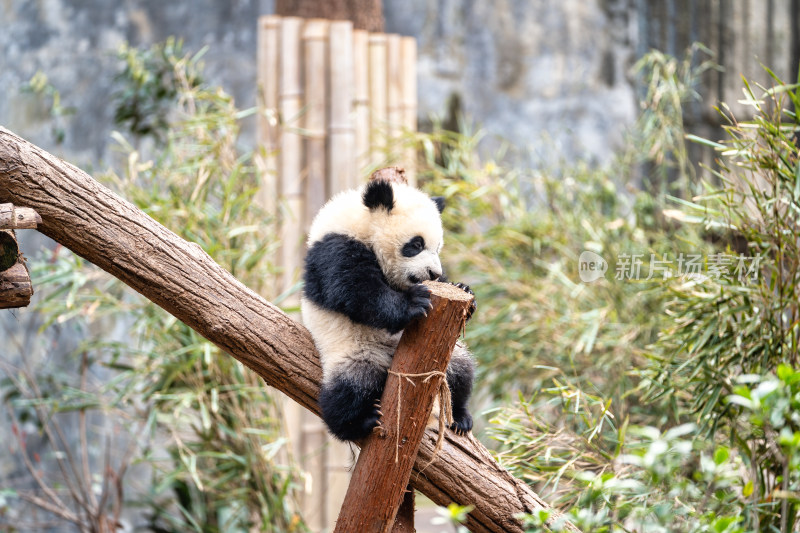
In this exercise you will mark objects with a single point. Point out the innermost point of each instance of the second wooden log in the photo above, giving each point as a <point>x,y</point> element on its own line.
<point>384,466</point>
<point>12,217</point>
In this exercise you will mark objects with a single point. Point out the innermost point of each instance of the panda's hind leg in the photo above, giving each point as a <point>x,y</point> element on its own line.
<point>349,399</point>
<point>460,375</point>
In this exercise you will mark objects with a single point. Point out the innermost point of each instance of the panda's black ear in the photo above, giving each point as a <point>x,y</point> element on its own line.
<point>439,201</point>
<point>379,194</point>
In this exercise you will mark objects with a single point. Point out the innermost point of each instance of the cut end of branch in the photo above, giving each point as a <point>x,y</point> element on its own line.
<point>9,250</point>
<point>390,174</point>
<point>15,287</point>
<point>448,291</point>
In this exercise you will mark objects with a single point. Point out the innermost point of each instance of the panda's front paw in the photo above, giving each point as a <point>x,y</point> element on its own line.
<point>419,301</point>
<point>462,423</point>
<point>371,422</point>
<point>473,306</point>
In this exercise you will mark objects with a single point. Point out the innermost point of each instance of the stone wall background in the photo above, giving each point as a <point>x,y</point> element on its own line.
<point>521,69</point>
<point>548,77</point>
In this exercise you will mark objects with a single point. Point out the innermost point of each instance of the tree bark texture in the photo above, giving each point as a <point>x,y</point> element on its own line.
<point>404,521</point>
<point>384,466</point>
<point>179,276</point>
<point>365,14</point>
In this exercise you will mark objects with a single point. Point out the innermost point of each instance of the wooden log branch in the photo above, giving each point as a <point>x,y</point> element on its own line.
<point>9,250</point>
<point>384,466</point>
<point>179,276</point>
<point>390,174</point>
<point>404,521</point>
<point>16,288</point>
<point>12,217</point>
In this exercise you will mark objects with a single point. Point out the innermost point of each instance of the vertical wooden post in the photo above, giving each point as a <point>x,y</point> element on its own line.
<point>268,129</point>
<point>361,102</point>
<point>315,39</point>
<point>341,150</point>
<point>394,86</point>
<point>377,97</point>
<point>384,467</point>
<point>409,104</point>
<point>291,153</point>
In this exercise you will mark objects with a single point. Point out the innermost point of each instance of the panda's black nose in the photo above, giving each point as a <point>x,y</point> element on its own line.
<point>434,275</point>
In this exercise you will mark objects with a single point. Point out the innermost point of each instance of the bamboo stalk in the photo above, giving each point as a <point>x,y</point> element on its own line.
<point>394,87</point>
<point>268,130</point>
<point>377,97</point>
<point>291,153</point>
<point>361,116</point>
<point>314,118</point>
<point>341,134</point>
<point>315,37</point>
<point>409,105</point>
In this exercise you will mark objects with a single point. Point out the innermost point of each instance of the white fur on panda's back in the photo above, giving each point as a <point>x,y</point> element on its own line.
<point>340,340</point>
<point>344,213</point>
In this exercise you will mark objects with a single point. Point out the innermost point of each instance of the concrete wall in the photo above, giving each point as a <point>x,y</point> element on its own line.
<point>551,77</point>
<point>538,74</point>
<point>522,69</point>
<point>74,42</point>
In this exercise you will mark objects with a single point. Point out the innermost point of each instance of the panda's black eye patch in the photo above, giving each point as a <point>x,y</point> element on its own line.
<point>413,247</point>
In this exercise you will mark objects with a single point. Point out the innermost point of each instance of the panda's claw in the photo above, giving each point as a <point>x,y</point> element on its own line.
<point>464,287</point>
<point>472,306</point>
<point>462,424</point>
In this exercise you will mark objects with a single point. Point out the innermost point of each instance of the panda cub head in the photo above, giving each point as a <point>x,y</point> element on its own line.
<point>400,224</point>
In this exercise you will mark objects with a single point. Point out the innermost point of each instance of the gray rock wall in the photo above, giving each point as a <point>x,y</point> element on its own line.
<point>549,77</point>
<point>74,42</point>
<point>535,73</point>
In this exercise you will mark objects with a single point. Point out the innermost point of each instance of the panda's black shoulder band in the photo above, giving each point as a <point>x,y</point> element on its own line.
<point>343,275</point>
<point>379,194</point>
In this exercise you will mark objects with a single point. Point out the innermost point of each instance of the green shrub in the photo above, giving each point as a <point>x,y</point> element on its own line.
<point>706,437</point>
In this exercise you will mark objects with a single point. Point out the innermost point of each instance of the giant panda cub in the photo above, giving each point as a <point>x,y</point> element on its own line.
<point>368,252</point>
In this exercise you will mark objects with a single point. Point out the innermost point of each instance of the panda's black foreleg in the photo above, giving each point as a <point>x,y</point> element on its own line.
<point>349,400</point>
<point>460,375</point>
<point>343,275</point>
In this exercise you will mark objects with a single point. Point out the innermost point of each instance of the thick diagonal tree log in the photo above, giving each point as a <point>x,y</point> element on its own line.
<point>179,276</point>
